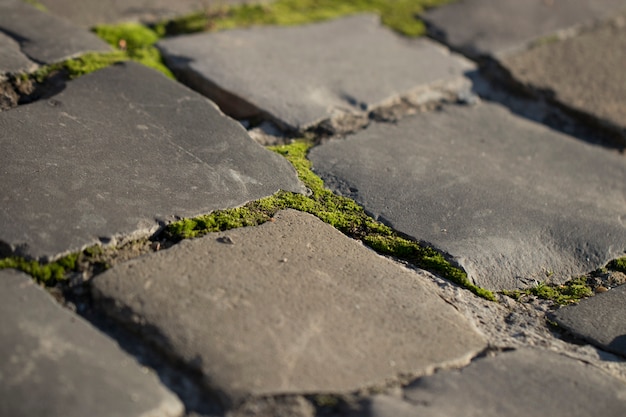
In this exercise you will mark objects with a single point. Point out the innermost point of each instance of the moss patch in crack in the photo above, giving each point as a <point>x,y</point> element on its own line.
<point>45,273</point>
<point>570,292</point>
<point>340,212</point>
<point>37,5</point>
<point>400,15</point>
<point>136,42</point>
<point>618,265</point>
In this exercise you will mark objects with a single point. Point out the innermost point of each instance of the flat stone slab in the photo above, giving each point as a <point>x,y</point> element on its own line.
<point>512,201</point>
<point>498,27</point>
<point>291,306</point>
<point>89,13</point>
<point>42,37</point>
<point>513,384</point>
<point>121,152</point>
<point>55,364</point>
<point>585,72</point>
<point>302,75</point>
<point>598,319</point>
<point>12,60</point>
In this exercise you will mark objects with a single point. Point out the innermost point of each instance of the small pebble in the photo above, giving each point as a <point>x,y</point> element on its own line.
<point>601,288</point>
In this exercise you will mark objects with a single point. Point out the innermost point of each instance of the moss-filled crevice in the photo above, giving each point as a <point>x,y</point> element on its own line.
<point>340,212</point>
<point>45,273</point>
<point>400,15</point>
<point>570,292</point>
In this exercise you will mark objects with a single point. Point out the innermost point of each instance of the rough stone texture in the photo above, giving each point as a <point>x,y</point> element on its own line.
<point>12,60</point>
<point>42,37</point>
<point>292,306</point>
<point>585,72</point>
<point>497,27</point>
<point>120,152</point>
<point>510,200</point>
<point>55,364</point>
<point>598,319</point>
<point>89,13</point>
<point>520,383</point>
<point>303,75</point>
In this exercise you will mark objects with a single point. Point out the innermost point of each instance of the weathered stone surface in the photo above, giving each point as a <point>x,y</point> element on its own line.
<point>585,72</point>
<point>42,37</point>
<point>89,13</point>
<point>12,60</point>
<point>598,319</point>
<point>520,383</point>
<point>292,306</point>
<point>302,75</point>
<point>55,364</point>
<point>120,152</point>
<point>496,27</point>
<point>510,200</point>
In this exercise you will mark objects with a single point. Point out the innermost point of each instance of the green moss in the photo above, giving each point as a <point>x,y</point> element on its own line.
<point>37,5</point>
<point>571,292</point>
<point>400,15</point>
<point>340,212</point>
<point>618,265</point>
<point>46,273</point>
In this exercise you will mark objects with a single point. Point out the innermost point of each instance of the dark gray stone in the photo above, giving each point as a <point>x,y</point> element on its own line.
<point>510,200</point>
<point>303,75</point>
<point>497,27</point>
<point>12,60</point>
<point>118,153</point>
<point>514,384</point>
<point>45,38</point>
<point>585,73</point>
<point>89,13</point>
<point>55,364</point>
<point>291,306</point>
<point>598,319</point>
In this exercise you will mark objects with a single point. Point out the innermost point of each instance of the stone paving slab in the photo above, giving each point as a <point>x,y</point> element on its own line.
<point>520,383</point>
<point>598,319</point>
<point>302,75</point>
<point>510,200</point>
<point>291,306</point>
<point>42,37</point>
<point>12,60</point>
<point>120,152</point>
<point>585,72</point>
<point>498,27</point>
<point>89,13</point>
<point>55,364</point>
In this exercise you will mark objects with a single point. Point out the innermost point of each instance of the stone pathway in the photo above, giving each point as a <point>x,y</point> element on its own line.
<point>289,316</point>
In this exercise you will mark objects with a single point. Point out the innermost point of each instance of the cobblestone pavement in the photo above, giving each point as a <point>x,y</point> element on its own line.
<point>318,219</point>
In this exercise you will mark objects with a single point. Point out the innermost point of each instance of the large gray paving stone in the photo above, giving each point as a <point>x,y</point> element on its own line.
<point>498,27</point>
<point>291,306</point>
<point>89,13</point>
<point>120,152</point>
<point>585,72</point>
<point>599,319</point>
<point>12,60</point>
<point>55,364</point>
<point>302,75</point>
<point>520,383</point>
<point>510,200</point>
<point>42,37</point>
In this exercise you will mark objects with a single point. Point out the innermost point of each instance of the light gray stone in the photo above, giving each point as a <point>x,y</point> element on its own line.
<point>498,27</point>
<point>89,13</point>
<point>513,384</point>
<point>45,38</point>
<point>510,200</point>
<point>598,319</point>
<point>305,74</point>
<point>12,60</point>
<point>55,364</point>
<point>584,73</point>
<point>291,306</point>
<point>121,152</point>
